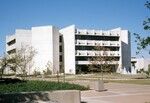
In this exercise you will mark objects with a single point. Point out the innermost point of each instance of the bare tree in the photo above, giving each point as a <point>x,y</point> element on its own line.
<point>101,60</point>
<point>3,65</point>
<point>49,68</point>
<point>21,61</point>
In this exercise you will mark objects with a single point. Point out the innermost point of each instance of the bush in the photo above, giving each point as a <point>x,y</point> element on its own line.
<point>12,74</point>
<point>10,80</point>
<point>38,86</point>
<point>36,73</point>
<point>47,72</point>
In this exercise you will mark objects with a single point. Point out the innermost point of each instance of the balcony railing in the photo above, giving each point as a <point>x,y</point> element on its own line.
<point>95,43</point>
<point>10,38</point>
<point>88,62</point>
<point>96,53</point>
<point>8,48</point>
<point>97,32</point>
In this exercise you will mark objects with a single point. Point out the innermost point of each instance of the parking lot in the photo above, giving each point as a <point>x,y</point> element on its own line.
<point>117,93</point>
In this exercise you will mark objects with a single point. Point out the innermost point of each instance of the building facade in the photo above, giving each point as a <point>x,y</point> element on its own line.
<point>140,63</point>
<point>70,48</point>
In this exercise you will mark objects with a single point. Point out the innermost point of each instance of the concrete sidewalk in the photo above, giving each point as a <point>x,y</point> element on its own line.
<point>117,93</point>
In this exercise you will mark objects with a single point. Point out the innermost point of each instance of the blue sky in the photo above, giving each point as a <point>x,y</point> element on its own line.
<point>89,14</point>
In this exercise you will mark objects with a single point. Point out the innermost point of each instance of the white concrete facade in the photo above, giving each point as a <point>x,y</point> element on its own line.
<point>77,46</point>
<point>140,63</point>
<point>69,48</point>
<point>45,41</point>
<point>23,38</point>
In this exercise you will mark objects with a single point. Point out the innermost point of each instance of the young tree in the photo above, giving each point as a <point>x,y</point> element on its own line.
<point>49,68</point>
<point>21,61</point>
<point>102,59</point>
<point>148,71</point>
<point>144,43</point>
<point>3,65</point>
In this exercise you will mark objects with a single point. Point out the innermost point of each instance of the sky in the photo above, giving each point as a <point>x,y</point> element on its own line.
<point>85,14</point>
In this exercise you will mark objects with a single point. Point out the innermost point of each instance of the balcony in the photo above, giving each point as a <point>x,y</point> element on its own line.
<point>110,53</point>
<point>97,32</point>
<point>80,42</point>
<point>105,43</point>
<point>96,43</point>
<point>84,53</point>
<point>10,38</point>
<point>114,43</point>
<point>88,62</point>
<point>90,42</point>
<point>115,53</point>
<point>83,62</point>
<point>114,33</point>
<point>96,53</point>
<point>8,48</point>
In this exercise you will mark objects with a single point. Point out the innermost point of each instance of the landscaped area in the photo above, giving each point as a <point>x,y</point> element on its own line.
<point>37,85</point>
<point>114,78</point>
<point>51,83</point>
<point>33,86</point>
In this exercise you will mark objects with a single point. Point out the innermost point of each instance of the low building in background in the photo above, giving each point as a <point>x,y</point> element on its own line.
<point>70,48</point>
<point>140,63</point>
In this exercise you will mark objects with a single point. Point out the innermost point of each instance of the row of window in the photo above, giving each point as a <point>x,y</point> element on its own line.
<point>91,37</point>
<point>83,58</point>
<point>12,51</point>
<point>92,48</point>
<point>11,42</point>
<point>95,68</point>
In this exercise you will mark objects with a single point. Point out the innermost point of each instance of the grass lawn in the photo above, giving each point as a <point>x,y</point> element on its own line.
<point>51,83</point>
<point>36,85</point>
<point>113,78</point>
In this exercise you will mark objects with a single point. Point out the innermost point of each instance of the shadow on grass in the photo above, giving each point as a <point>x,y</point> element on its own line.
<point>21,96</point>
<point>10,80</point>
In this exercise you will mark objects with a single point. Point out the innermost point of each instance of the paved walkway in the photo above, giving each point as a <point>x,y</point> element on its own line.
<point>117,93</point>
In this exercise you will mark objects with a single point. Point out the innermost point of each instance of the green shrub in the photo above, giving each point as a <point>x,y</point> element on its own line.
<point>49,67</point>
<point>47,72</point>
<point>12,74</point>
<point>39,86</point>
<point>36,73</point>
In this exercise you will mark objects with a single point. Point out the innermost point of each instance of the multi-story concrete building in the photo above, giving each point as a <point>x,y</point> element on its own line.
<point>45,40</point>
<point>70,47</point>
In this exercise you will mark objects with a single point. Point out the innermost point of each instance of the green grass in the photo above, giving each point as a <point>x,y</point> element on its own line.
<point>114,76</point>
<point>38,86</point>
